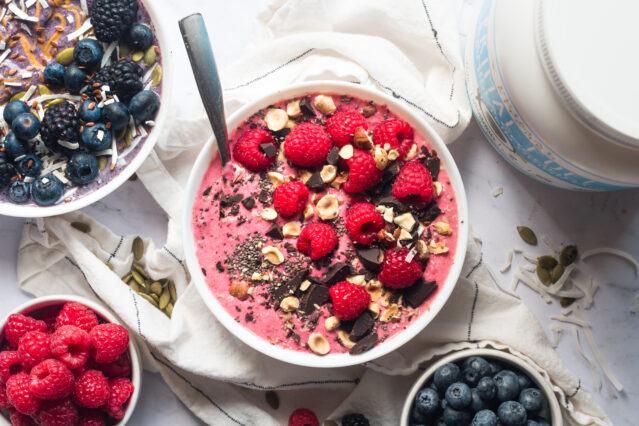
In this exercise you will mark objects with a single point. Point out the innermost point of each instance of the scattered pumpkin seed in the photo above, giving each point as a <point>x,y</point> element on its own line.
<point>81,226</point>
<point>154,297</point>
<point>122,132</point>
<point>566,301</point>
<point>128,137</point>
<point>527,235</point>
<point>141,270</point>
<point>543,274</point>
<point>55,102</point>
<point>150,56</point>
<point>102,162</point>
<point>156,76</point>
<point>65,57</point>
<point>127,278</point>
<point>169,310</point>
<point>172,290</point>
<point>17,96</point>
<point>272,399</point>
<point>149,299</point>
<point>330,423</point>
<point>108,264</point>
<point>43,90</point>
<point>134,286</point>
<point>165,299</point>
<point>156,288</point>
<point>138,248</point>
<point>556,273</point>
<point>134,177</point>
<point>547,262</point>
<point>568,255</point>
<point>137,56</point>
<point>124,50</point>
<point>137,277</point>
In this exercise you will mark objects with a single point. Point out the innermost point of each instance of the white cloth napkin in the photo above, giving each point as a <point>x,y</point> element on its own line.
<point>406,48</point>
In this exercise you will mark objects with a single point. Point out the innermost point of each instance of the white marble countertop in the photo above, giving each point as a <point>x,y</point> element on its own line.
<point>588,220</point>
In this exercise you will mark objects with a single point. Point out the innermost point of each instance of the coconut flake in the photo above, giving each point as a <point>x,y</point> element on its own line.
<point>44,4</point>
<point>29,93</point>
<point>142,131</point>
<point>499,286</point>
<point>509,261</point>
<point>13,83</point>
<point>147,75</point>
<point>20,14</point>
<point>556,287</point>
<point>86,26</point>
<point>529,257</point>
<point>108,151</point>
<point>593,368</point>
<point>85,9</point>
<point>26,28</point>
<point>29,3</point>
<point>127,151</point>
<point>114,150</point>
<point>151,123</point>
<point>69,145</point>
<point>498,191</point>
<point>107,53</point>
<point>522,276</point>
<point>44,98</point>
<point>556,331</point>
<point>615,252</point>
<point>589,291</point>
<point>60,176</point>
<point>4,55</point>
<point>530,268</point>
<point>575,321</point>
<point>2,13</point>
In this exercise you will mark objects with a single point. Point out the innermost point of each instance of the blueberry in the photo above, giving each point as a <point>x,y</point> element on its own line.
<point>485,418</point>
<point>427,401</point>
<point>96,137</point>
<point>29,165</point>
<point>7,172</point>
<point>19,191</point>
<point>46,190</point>
<point>14,109</point>
<point>88,53</point>
<point>494,368</point>
<point>452,417</point>
<point>476,403</point>
<point>478,364</point>
<point>470,376</point>
<point>89,112</point>
<point>512,413</point>
<point>26,126</point>
<point>486,389</point>
<point>54,74</point>
<point>533,400</point>
<point>144,105</point>
<point>139,37</point>
<point>82,168</point>
<point>417,418</point>
<point>531,422</point>
<point>117,114</point>
<point>458,395</point>
<point>524,381</point>
<point>507,385</point>
<point>537,422</point>
<point>13,147</point>
<point>74,79</point>
<point>3,157</point>
<point>445,376</point>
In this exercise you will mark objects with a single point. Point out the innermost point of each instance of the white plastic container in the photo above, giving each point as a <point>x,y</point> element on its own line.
<point>553,86</point>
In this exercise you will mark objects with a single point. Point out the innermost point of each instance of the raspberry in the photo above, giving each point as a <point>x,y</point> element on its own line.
<point>71,345</point>
<point>92,418</point>
<point>362,172</point>
<point>73,313</point>
<point>18,324</point>
<point>9,365</point>
<point>341,126</point>
<point>20,396</point>
<point>121,367</point>
<point>33,348</point>
<point>303,417</point>
<point>363,223</point>
<point>91,389</point>
<point>5,404</point>
<point>120,390</point>
<point>290,198</point>
<point>110,341</point>
<point>395,132</point>
<point>414,185</point>
<point>19,419</point>
<point>317,240</point>
<point>349,300</point>
<point>248,153</point>
<point>57,413</point>
<point>51,379</point>
<point>397,272</point>
<point>307,145</point>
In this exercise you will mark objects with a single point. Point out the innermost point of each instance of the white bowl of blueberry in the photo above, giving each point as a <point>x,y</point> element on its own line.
<point>481,387</point>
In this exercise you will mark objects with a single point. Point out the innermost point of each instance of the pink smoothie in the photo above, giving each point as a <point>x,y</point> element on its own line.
<point>229,238</point>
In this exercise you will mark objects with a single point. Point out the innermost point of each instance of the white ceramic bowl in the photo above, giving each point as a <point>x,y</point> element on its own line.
<point>307,358</point>
<point>501,356</point>
<point>17,210</point>
<point>101,311</point>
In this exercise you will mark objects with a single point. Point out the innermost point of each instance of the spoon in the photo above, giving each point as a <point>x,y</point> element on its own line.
<point>198,47</point>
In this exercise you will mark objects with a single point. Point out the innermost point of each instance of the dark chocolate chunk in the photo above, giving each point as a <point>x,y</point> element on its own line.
<point>315,182</point>
<point>268,149</point>
<point>415,295</point>
<point>392,170</point>
<point>228,200</point>
<point>333,156</point>
<point>287,288</point>
<point>248,317</point>
<point>306,106</point>
<point>362,326</point>
<point>219,266</point>
<point>206,192</point>
<point>432,164</point>
<point>275,232</point>
<point>314,280</point>
<point>248,203</point>
<point>263,196</point>
<point>364,345</point>
<point>315,295</point>
<point>203,271</point>
<point>369,256</point>
<point>429,213</point>
<point>336,273</point>
<point>282,134</point>
<point>347,326</point>
<point>398,206</point>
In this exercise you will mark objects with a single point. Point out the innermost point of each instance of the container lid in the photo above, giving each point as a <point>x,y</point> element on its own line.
<point>589,52</point>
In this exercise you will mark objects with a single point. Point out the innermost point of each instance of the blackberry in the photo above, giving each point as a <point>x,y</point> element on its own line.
<point>7,172</point>
<point>61,122</point>
<point>354,419</point>
<point>124,78</point>
<point>111,18</point>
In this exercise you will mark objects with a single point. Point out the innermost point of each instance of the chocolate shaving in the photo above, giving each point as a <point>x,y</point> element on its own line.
<point>306,106</point>
<point>248,203</point>
<point>398,206</point>
<point>429,213</point>
<point>263,197</point>
<point>347,325</point>
<point>369,256</point>
<point>268,149</point>
<point>316,295</point>
<point>219,267</point>
<point>275,232</point>
<point>333,156</point>
<point>362,326</point>
<point>416,294</point>
<point>206,192</point>
<point>364,345</point>
<point>432,164</point>
<point>315,182</point>
<point>336,273</point>
<point>287,288</point>
<point>229,200</point>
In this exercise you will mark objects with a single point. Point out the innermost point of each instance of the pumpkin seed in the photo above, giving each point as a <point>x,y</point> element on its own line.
<point>566,301</point>
<point>128,137</point>
<point>556,273</point>
<point>272,399</point>
<point>17,96</point>
<point>137,277</point>
<point>108,264</point>
<point>543,274</point>
<point>547,262</point>
<point>134,177</point>
<point>169,310</point>
<point>154,297</point>
<point>124,50</point>
<point>172,290</point>
<point>127,278</point>
<point>121,134</point>
<point>156,76</point>
<point>150,56</point>
<point>134,286</point>
<point>65,57</point>
<point>138,248</point>
<point>102,162</point>
<point>141,270</point>
<point>330,423</point>
<point>165,299</point>
<point>149,299</point>
<point>527,235</point>
<point>55,102</point>
<point>156,288</point>
<point>81,226</point>
<point>137,56</point>
<point>568,255</point>
<point>43,90</point>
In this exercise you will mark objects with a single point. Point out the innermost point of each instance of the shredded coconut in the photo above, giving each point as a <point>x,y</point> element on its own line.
<point>509,261</point>
<point>556,331</point>
<point>635,305</point>
<point>615,252</point>
<point>86,26</point>
<point>498,191</point>
<point>593,368</point>
<point>499,286</point>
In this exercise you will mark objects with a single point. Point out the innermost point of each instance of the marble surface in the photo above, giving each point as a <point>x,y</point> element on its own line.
<point>588,220</point>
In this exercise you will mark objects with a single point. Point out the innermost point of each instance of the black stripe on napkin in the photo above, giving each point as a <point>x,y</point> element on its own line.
<point>452,89</point>
<point>472,310</point>
<point>293,384</point>
<point>178,260</point>
<point>117,248</point>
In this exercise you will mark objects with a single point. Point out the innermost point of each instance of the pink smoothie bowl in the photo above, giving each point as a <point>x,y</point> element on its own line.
<point>331,360</point>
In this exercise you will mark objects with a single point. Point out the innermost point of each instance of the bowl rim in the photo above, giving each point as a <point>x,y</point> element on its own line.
<point>555,411</point>
<point>60,299</point>
<point>10,209</point>
<point>309,359</point>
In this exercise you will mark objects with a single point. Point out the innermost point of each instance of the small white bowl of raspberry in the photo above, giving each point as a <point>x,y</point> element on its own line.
<point>64,359</point>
